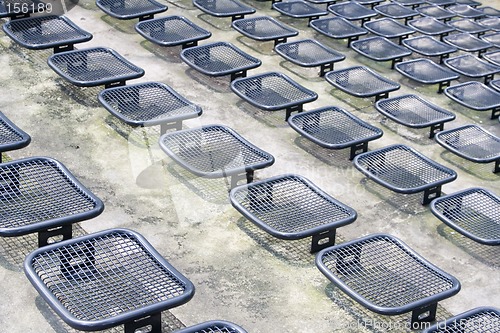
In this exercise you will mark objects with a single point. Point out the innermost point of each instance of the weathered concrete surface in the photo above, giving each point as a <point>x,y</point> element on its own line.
<point>240,274</point>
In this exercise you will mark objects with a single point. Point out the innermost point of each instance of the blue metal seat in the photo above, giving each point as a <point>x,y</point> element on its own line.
<point>467,42</point>
<point>426,71</point>
<point>479,317</point>
<point>431,26</point>
<point>380,49</point>
<point>299,9</point>
<point>471,66</point>
<point>477,96</point>
<point>389,28</point>
<point>338,28</point>
<point>172,31</point>
<point>436,12</point>
<point>429,47</point>
<point>43,32</point>
<point>224,8</point>
<point>11,136</point>
<point>264,28</point>
<point>131,9</point>
<point>352,11</point>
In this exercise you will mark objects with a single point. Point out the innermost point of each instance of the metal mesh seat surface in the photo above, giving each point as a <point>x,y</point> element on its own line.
<point>310,53</point>
<point>412,3</point>
<point>172,31</point>
<point>493,38</point>
<point>430,47</point>
<point>443,3</point>
<point>38,194</point>
<point>338,28</point>
<point>473,143</point>
<point>292,207</point>
<point>477,96</point>
<point>404,170</point>
<point>213,326</point>
<point>273,91</point>
<point>492,23</point>
<point>105,279</point>
<point>219,59</point>
<point>224,8</point>
<point>131,9</point>
<point>436,12</point>
<point>467,42</point>
<point>380,49</point>
<point>426,71</point>
<point>468,25</point>
<point>11,136</point>
<point>490,11</point>
<point>299,9</point>
<point>361,81</point>
<point>386,276</point>
<point>148,104</point>
<point>474,212</point>
<point>472,66</point>
<point>334,128</point>
<point>93,67</point>
<point>214,151</point>
<point>352,11</point>
<point>388,28</point>
<point>471,3</point>
<point>45,32</point>
<point>415,112</point>
<point>395,10</point>
<point>493,57</point>
<point>264,28</point>
<point>430,26</point>
<point>486,320</point>
<point>465,11</point>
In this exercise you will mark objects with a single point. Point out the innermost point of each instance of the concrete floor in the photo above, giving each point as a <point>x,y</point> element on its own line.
<point>240,273</point>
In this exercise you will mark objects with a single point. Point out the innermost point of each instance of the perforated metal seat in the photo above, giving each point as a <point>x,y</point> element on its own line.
<point>469,26</point>
<point>11,136</point>
<point>334,128</point>
<point>15,9</point>
<point>386,276</point>
<point>490,11</point>
<point>149,104</point>
<point>404,170</point>
<point>492,23</point>
<point>426,71</point>
<point>380,49</point>
<point>264,28</point>
<point>396,11</point>
<point>471,3</point>
<point>493,57</point>
<point>477,96</point>
<point>493,38</point>
<point>224,8</point>
<point>215,151</point>
<point>467,42</point>
<point>338,28</point>
<point>472,66</point>
<point>131,9</point>
<point>352,11</point>
<point>106,279</point>
<point>486,318</point>
<point>473,143</point>
<point>37,33</point>
<point>431,26</point>
<point>415,112</point>
<point>466,11</point>
<point>213,326</point>
<point>474,212</point>
<point>94,67</point>
<point>389,28</point>
<point>430,47</point>
<point>361,81</point>
<point>299,9</point>
<point>273,91</point>
<point>436,12</point>
<point>411,3</point>
<point>172,31</point>
<point>219,59</point>
<point>292,207</point>
<point>310,53</point>
<point>372,3</point>
<point>39,195</point>
<point>443,3</point>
